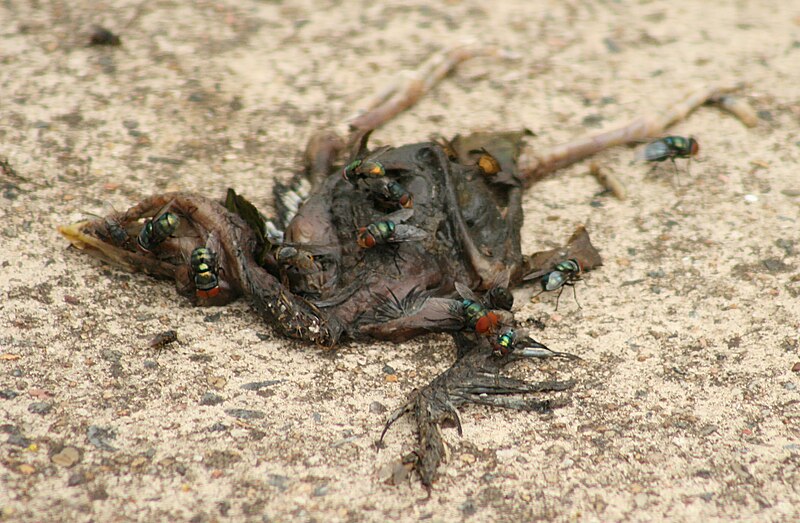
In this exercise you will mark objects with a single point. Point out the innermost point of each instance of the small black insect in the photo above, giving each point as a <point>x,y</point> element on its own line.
<point>390,229</point>
<point>520,342</point>
<point>157,230</point>
<point>162,339</point>
<point>102,36</point>
<point>205,272</point>
<point>474,312</point>
<point>395,193</point>
<point>563,274</point>
<point>358,169</point>
<point>511,339</point>
<point>669,148</point>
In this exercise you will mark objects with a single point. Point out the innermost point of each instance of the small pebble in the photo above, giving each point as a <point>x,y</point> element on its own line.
<point>209,398</point>
<point>218,427</point>
<point>217,382</point>
<point>377,407</point>
<point>593,120</point>
<point>212,318</point>
<point>40,407</point>
<point>776,265</point>
<point>276,480</point>
<point>77,478</point>
<point>468,508</point>
<point>796,367</point>
<point>611,45</point>
<point>387,369</point>
<point>245,413</point>
<point>99,436</point>
<point>765,115</point>
<point>256,385</point>
<point>18,440</point>
<point>708,430</point>
<point>40,393</point>
<point>197,96</point>
<point>168,161</point>
<point>98,494</point>
<point>150,364</point>
<point>68,457</point>
<point>8,394</point>
<point>750,198</point>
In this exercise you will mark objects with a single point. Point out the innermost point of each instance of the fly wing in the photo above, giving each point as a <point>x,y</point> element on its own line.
<point>317,249</point>
<point>556,280</point>
<point>465,292</point>
<point>213,242</point>
<point>501,279</point>
<point>536,275</point>
<point>399,216</point>
<point>408,233</point>
<point>525,340</point>
<point>449,314</point>
<point>654,151</point>
<point>377,153</point>
<point>167,206</point>
<point>499,295</point>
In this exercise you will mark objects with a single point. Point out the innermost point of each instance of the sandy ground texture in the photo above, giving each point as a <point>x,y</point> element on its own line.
<point>686,404</point>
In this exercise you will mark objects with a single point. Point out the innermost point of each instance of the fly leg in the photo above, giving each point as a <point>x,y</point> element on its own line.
<point>558,297</point>
<point>575,294</point>
<point>676,181</point>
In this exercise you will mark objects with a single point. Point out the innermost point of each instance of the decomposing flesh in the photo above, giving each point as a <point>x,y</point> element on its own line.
<point>447,214</point>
